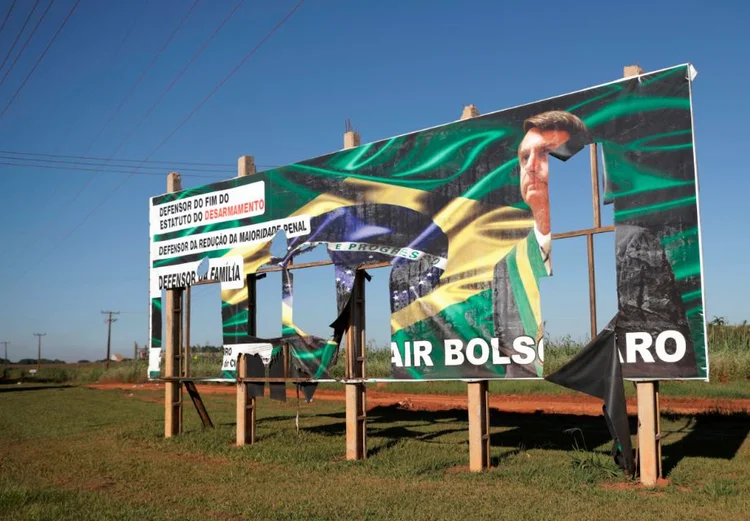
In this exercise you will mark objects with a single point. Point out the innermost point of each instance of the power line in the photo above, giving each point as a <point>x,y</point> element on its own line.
<point>120,160</point>
<point>90,94</point>
<point>140,78</point>
<point>105,170</point>
<point>72,166</point>
<point>175,164</point>
<point>121,46</point>
<point>18,36</point>
<point>39,60</point>
<point>30,266</point>
<point>135,85</point>
<point>90,178</point>
<point>7,362</point>
<point>227,77</point>
<point>30,160</point>
<point>133,88</point>
<point>7,15</point>
<point>31,35</point>
<point>198,107</point>
<point>179,76</point>
<point>112,60</point>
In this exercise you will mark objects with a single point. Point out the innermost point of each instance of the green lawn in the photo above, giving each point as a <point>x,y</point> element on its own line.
<point>80,454</point>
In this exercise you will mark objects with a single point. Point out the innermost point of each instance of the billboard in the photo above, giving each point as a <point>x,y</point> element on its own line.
<point>461,212</point>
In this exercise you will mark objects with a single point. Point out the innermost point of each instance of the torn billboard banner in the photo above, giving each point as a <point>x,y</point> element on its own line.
<point>597,371</point>
<point>461,213</point>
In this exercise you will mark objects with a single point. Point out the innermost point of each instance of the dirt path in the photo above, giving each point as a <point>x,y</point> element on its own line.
<point>560,404</point>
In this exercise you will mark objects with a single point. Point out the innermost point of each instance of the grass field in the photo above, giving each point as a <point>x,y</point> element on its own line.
<point>81,454</point>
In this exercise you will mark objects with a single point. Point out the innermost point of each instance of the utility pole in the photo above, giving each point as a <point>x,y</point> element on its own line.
<point>109,321</point>
<point>7,362</point>
<point>39,350</point>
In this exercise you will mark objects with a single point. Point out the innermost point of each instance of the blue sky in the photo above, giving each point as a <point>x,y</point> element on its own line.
<point>391,67</point>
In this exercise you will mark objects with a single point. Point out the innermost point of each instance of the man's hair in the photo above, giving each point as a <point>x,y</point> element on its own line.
<point>556,120</point>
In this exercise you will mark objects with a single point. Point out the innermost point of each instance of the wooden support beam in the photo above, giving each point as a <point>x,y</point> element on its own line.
<point>479,426</point>
<point>195,396</point>
<point>387,264</point>
<point>594,161</point>
<point>351,139</point>
<point>595,196</point>
<point>245,406</point>
<point>658,430</point>
<point>592,285</point>
<point>186,350</point>
<point>469,111</point>
<point>356,411</point>
<point>631,70</point>
<point>315,264</point>
<point>478,393</point>
<point>356,334</point>
<point>649,431</point>
<point>277,379</point>
<point>356,422</point>
<point>245,166</point>
<point>173,346</point>
<point>649,442</point>
<point>356,393</point>
<point>582,233</point>
<point>245,434</point>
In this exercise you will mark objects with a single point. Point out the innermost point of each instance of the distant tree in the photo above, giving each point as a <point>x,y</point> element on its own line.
<point>206,349</point>
<point>718,321</point>
<point>84,362</point>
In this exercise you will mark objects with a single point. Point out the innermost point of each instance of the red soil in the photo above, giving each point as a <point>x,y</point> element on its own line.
<point>560,404</point>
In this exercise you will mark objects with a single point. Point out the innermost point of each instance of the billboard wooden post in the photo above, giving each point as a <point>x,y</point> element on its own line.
<point>649,443</point>
<point>590,237</point>
<point>478,394</point>
<point>245,166</point>
<point>356,392</point>
<point>173,345</point>
<point>246,403</point>
<point>356,411</point>
<point>649,429</point>
<point>186,351</point>
<point>245,407</point>
<point>479,426</point>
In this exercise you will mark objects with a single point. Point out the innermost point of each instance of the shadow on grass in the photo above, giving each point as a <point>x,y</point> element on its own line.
<point>718,436</point>
<point>260,421</point>
<point>20,388</point>
<point>529,430</point>
<point>710,435</point>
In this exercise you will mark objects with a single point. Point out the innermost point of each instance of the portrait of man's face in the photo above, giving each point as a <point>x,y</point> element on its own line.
<point>533,158</point>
